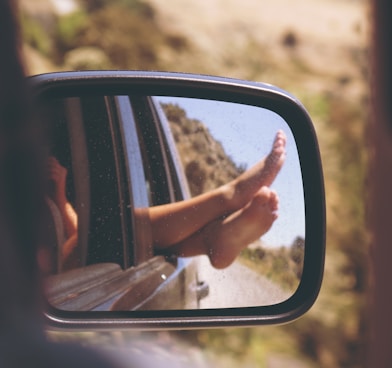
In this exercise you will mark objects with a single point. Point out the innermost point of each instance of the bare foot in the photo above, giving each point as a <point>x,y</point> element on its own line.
<point>225,239</point>
<point>241,190</point>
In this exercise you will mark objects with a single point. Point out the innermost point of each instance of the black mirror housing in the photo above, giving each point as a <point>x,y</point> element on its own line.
<point>67,85</point>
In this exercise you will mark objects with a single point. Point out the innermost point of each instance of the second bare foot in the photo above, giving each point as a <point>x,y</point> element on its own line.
<point>226,238</point>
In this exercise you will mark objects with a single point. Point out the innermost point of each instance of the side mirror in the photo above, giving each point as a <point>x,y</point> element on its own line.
<point>138,233</point>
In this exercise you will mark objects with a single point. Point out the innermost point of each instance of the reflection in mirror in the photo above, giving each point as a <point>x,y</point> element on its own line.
<point>172,203</point>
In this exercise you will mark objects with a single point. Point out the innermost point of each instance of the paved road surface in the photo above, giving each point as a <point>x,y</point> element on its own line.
<point>237,286</point>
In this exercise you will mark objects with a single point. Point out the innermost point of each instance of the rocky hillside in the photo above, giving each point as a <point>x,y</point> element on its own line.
<point>205,162</point>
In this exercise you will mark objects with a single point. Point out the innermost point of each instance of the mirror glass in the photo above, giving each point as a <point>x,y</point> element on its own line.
<point>161,202</point>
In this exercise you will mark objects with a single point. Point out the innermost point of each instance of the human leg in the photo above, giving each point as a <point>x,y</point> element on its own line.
<point>174,222</point>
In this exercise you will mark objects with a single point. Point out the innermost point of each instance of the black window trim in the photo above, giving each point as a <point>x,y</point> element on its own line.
<point>133,182</point>
<point>178,186</point>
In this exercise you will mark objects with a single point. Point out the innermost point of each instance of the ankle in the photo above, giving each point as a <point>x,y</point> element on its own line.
<point>224,195</point>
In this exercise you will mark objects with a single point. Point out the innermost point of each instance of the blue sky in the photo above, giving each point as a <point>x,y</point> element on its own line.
<point>246,133</point>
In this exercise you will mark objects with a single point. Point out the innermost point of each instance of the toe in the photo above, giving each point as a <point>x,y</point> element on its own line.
<point>262,197</point>
<point>273,201</point>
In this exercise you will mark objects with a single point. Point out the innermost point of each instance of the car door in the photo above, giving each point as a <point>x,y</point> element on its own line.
<point>120,162</point>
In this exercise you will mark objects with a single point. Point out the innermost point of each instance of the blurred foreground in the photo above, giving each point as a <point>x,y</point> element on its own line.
<point>317,50</point>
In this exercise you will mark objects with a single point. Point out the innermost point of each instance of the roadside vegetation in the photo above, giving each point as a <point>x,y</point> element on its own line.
<point>332,334</point>
<point>283,265</point>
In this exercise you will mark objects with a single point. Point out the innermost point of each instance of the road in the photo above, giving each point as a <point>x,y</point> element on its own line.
<point>238,286</point>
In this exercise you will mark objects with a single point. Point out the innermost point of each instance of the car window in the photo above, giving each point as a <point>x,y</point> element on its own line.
<point>105,236</point>
<point>154,160</point>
